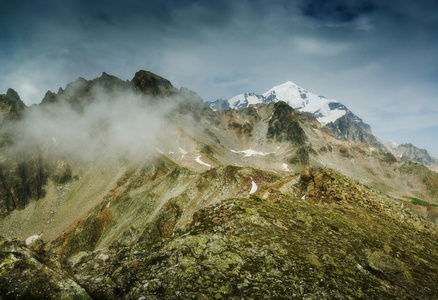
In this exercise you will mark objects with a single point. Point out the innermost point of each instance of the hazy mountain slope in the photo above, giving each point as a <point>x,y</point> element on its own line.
<point>11,106</point>
<point>64,204</point>
<point>150,193</point>
<point>271,137</point>
<point>343,123</point>
<point>408,152</point>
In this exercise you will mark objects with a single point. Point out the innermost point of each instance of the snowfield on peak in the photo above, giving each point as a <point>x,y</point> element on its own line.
<point>324,110</point>
<point>244,100</point>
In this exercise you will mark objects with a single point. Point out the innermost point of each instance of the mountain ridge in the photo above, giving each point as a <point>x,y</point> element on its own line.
<point>330,113</point>
<point>323,109</point>
<point>129,191</point>
<point>407,151</point>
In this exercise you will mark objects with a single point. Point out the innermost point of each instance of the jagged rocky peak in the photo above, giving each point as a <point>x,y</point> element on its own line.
<point>150,83</point>
<point>323,109</point>
<point>13,94</point>
<point>284,125</point>
<point>345,128</point>
<point>408,152</point>
<point>13,99</point>
<point>81,91</point>
<point>219,104</point>
<point>50,97</point>
<point>11,105</point>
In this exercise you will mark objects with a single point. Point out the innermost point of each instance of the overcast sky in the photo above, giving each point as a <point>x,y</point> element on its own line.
<point>379,58</point>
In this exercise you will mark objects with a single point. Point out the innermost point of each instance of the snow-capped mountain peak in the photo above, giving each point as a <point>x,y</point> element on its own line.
<point>323,109</point>
<point>291,93</point>
<point>244,100</point>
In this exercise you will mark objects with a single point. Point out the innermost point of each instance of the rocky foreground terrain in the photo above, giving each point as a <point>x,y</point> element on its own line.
<point>258,203</point>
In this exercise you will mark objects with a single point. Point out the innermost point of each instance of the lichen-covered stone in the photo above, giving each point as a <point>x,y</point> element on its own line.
<point>24,275</point>
<point>293,248</point>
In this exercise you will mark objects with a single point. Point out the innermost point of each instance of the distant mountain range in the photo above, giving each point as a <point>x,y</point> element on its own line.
<point>406,152</point>
<point>329,112</point>
<point>334,115</point>
<point>323,109</point>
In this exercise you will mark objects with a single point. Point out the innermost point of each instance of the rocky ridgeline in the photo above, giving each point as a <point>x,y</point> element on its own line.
<point>339,241</point>
<point>324,185</point>
<point>256,248</point>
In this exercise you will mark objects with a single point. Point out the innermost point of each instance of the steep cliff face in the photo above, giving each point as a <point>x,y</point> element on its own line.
<point>11,106</point>
<point>82,92</point>
<point>22,180</point>
<point>152,84</point>
<point>284,125</point>
<point>22,171</point>
<point>345,128</point>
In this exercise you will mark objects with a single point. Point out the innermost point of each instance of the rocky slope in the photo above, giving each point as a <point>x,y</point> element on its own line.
<point>313,235</point>
<point>339,120</point>
<point>27,272</point>
<point>406,152</point>
<point>156,196</point>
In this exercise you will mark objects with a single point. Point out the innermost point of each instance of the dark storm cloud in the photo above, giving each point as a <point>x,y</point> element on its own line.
<point>339,11</point>
<point>377,57</point>
<point>103,17</point>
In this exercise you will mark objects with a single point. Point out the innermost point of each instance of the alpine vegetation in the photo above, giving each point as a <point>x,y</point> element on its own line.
<point>135,189</point>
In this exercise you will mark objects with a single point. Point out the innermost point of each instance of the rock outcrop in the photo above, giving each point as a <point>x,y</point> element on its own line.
<point>26,275</point>
<point>22,179</point>
<point>11,106</point>
<point>152,84</point>
<point>284,126</point>
<point>347,129</point>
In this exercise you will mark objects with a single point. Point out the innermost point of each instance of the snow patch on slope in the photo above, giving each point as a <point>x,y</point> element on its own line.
<point>199,161</point>
<point>182,151</point>
<point>251,152</point>
<point>253,187</point>
<point>32,239</point>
